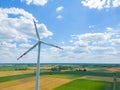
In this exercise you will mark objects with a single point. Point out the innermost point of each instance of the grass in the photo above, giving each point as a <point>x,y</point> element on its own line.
<point>15,77</point>
<point>80,73</point>
<point>118,86</point>
<point>68,74</point>
<point>12,68</point>
<point>81,84</point>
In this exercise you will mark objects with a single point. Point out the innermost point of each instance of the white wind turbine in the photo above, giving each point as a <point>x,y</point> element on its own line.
<point>38,59</point>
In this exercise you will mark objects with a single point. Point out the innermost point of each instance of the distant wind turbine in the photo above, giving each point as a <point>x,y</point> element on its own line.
<point>38,59</point>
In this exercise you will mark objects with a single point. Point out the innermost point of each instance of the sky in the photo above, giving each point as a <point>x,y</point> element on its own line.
<point>87,30</point>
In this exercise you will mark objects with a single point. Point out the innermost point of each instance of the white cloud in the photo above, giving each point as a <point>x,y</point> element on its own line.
<point>59,17</point>
<point>91,26</point>
<point>59,9</point>
<point>93,38</point>
<point>115,41</point>
<point>96,39</point>
<point>102,50</point>
<point>16,32</point>
<point>35,2</point>
<point>44,31</point>
<point>16,29</point>
<point>100,4</point>
<point>24,45</point>
<point>116,3</point>
<point>109,28</point>
<point>8,45</point>
<point>92,47</point>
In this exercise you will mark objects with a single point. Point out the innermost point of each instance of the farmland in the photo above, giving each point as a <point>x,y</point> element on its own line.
<point>85,85</point>
<point>60,77</point>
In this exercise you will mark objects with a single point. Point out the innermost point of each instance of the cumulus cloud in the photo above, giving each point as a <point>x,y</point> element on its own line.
<point>17,31</point>
<point>35,2</point>
<point>100,4</point>
<point>93,38</point>
<point>92,47</point>
<point>16,25</point>
<point>116,3</point>
<point>99,43</point>
<point>17,34</point>
<point>103,50</point>
<point>44,32</point>
<point>59,17</point>
<point>8,45</point>
<point>59,9</point>
<point>23,45</point>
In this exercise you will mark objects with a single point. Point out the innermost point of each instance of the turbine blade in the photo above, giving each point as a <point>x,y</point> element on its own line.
<point>28,51</point>
<point>36,30</point>
<point>51,45</point>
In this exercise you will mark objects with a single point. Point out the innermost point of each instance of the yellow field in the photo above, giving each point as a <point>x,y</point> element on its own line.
<point>47,83</point>
<point>114,69</point>
<point>10,73</point>
<point>45,67</point>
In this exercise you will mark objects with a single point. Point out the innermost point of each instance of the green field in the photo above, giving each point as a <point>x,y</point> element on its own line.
<point>12,68</point>
<point>15,77</point>
<point>81,84</point>
<point>95,78</point>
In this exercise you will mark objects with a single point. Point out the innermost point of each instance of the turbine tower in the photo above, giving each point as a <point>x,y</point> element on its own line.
<point>38,59</point>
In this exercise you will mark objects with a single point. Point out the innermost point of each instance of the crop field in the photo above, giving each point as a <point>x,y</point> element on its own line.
<point>115,69</point>
<point>47,83</point>
<point>52,78</point>
<point>80,84</point>
<point>14,70</point>
<point>11,73</point>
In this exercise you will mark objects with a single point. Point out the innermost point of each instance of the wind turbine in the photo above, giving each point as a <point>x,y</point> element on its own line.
<point>38,59</point>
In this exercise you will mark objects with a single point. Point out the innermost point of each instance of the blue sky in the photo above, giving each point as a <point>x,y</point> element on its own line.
<point>88,30</point>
